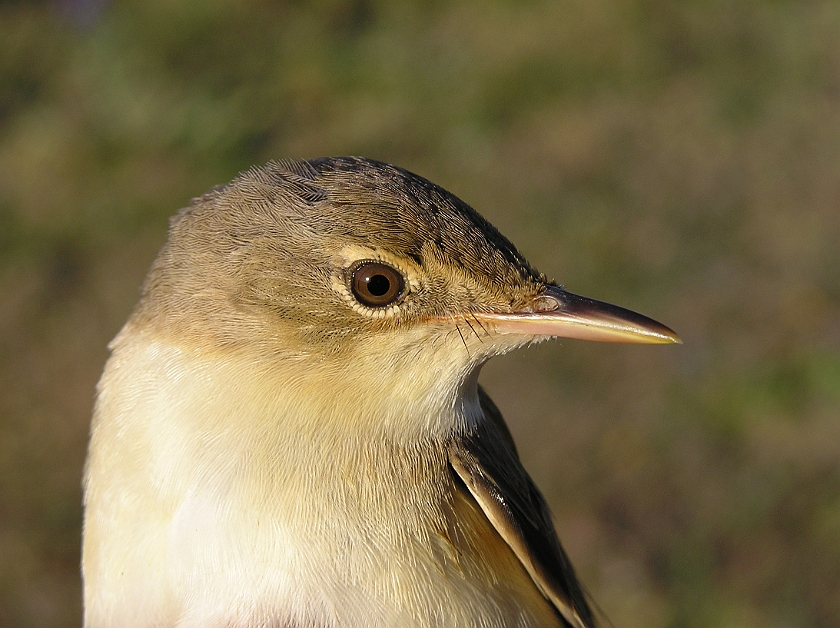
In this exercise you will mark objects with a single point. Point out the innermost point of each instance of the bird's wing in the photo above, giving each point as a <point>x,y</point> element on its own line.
<point>486,461</point>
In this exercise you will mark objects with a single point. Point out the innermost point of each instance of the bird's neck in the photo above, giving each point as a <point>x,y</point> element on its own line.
<point>180,407</point>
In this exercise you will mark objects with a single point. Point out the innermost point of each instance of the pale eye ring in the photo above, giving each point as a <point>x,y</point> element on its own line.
<point>376,284</point>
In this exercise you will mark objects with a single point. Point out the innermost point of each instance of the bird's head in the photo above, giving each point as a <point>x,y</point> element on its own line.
<point>358,269</point>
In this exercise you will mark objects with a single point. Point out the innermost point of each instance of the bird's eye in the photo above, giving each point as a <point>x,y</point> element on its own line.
<point>376,284</point>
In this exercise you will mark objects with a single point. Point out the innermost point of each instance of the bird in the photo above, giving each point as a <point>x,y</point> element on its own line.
<point>289,431</point>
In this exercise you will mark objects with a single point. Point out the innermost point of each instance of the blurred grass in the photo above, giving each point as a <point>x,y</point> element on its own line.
<point>680,158</point>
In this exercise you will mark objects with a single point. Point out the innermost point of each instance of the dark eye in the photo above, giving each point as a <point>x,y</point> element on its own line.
<point>376,284</point>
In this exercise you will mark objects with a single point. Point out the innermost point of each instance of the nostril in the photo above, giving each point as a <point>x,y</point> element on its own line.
<point>545,303</point>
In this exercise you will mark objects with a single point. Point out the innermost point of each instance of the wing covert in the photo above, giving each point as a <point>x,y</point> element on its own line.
<point>486,461</point>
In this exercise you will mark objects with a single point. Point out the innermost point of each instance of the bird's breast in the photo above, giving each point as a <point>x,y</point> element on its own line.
<point>213,498</point>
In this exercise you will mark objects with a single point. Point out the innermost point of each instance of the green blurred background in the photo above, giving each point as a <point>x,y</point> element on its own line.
<point>679,158</point>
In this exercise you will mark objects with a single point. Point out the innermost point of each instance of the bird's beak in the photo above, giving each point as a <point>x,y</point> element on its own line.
<point>562,314</point>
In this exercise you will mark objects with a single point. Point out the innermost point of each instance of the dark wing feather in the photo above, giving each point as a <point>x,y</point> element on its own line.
<point>486,460</point>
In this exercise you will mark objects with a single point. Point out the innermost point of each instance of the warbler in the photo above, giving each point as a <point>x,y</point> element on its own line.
<point>289,431</point>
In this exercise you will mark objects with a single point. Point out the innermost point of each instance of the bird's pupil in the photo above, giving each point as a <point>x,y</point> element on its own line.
<point>378,285</point>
